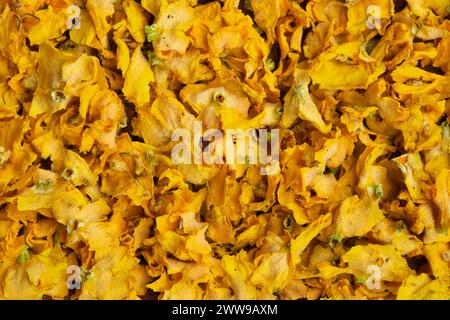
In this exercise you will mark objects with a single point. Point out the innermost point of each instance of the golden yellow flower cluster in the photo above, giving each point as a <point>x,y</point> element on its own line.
<point>92,90</point>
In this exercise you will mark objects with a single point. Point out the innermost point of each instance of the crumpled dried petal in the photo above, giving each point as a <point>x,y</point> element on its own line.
<point>95,98</point>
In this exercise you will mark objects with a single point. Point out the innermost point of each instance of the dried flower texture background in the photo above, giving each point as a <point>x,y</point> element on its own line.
<point>90,92</point>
